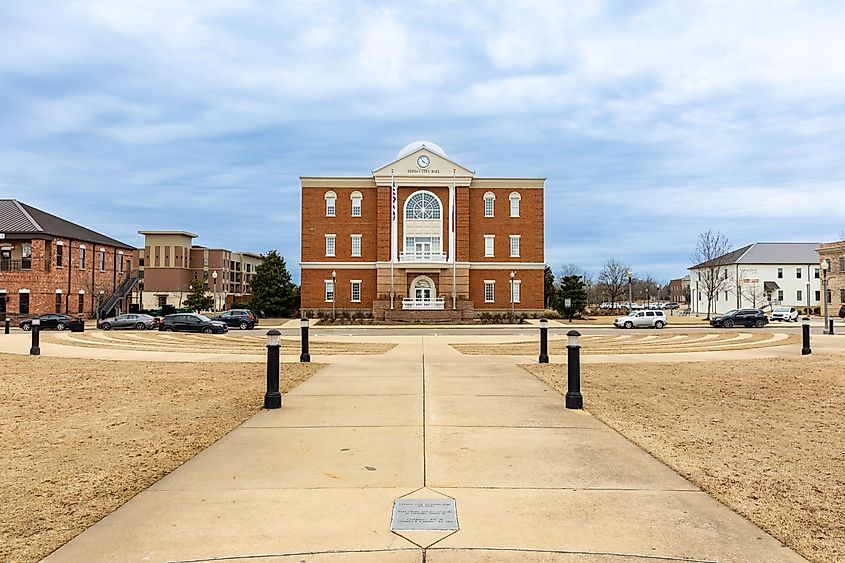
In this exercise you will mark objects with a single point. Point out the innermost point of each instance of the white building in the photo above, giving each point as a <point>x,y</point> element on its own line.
<point>759,275</point>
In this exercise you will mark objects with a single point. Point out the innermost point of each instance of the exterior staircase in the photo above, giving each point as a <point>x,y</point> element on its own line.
<point>123,291</point>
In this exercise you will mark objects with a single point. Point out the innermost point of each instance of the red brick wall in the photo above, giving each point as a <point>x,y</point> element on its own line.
<point>529,225</point>
<point>313,289</point>
<point>531,289</point>
<point>315,224</point>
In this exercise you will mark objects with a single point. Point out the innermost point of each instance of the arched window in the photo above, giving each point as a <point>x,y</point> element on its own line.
<point>331,198</point>
<point>489,200</point>
<point>356,198</point>
<point>423,228</point>
<point>514,198</point>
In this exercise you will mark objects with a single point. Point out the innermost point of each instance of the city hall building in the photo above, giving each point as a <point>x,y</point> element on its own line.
<point>422,238</point>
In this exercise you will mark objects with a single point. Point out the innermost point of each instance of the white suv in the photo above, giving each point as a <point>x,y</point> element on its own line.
<point>654,319</point>
<point>785,314</point>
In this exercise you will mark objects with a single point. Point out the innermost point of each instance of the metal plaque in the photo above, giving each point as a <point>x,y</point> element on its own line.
<point>424,514</point>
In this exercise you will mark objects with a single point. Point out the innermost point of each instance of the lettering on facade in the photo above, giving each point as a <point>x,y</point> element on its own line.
<point>423,171</point>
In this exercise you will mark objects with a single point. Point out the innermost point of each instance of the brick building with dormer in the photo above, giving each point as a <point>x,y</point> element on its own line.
<point>422,238</point>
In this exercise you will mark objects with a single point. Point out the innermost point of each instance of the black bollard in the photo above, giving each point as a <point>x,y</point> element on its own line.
<point>305,356</point>
<point>805,329</point>
<point>574,399</point>
<point>544,341</point>
<point>8,320</point>
<point>272,398</point>
<point>830,330</point>
<point>35,350</point>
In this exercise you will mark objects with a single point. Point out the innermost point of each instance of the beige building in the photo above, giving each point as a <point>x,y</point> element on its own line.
<point>835,253</point>
<point>169,261</point>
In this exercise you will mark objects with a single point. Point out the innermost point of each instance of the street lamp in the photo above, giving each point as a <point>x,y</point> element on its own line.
<point>825,270</point>
<point>214,277</point>
<point>513,275</point>
<point>630,294</point>
<point>334,293</point>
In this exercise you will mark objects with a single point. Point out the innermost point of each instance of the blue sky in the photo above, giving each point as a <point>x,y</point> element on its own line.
<point>652,121</point>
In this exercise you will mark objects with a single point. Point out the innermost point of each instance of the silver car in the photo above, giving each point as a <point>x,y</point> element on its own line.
<point>130,322</point>
<point>633,319</point>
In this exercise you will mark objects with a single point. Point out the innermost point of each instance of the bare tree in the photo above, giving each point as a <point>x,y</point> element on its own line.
<point>711,257</point>
<point>576,270</point>
<point>754,293</point>
<point>613,278</point>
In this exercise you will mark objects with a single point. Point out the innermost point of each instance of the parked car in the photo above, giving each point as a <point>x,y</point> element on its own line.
<point>671,305</point>
<point>633,319</point>
<point>744,317</point>
<point>192,322</point>
<point>842,311</point>
<point>53,320</point>
<point>242,318</point>
<point>132,321</point>
<point>787,314</point>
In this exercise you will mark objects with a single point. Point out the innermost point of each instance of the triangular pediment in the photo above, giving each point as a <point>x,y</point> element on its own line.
<point>422,167</point>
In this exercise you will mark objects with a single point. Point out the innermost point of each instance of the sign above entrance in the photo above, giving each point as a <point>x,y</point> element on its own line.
<point>423,167</point>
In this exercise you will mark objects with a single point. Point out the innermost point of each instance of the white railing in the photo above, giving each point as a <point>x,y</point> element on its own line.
<point>433,304</point>
<point>422,257</point>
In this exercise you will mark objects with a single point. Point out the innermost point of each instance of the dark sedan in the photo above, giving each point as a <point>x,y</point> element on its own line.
<point>53,320</point>
<point>244,319</point>
<point>192,322</point>
<point>741,317</point>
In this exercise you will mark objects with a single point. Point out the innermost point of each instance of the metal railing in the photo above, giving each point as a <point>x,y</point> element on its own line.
<point>15,265</point>
<point>124,289</point>
<point>422,257</point>
<point>432,304</point>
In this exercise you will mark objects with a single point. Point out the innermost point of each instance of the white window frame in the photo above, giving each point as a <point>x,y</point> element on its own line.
<point>514,198</point>
<point>102,259</point>
<point>333,239</point>
<point>492,249</point>
<point>352,284</point>
<point>329,290</point>
<point>360,239</point>
<point>516,290</point>
<point>490,197</point>
<point>512,239</point>
<point>331,208</point>
<point>492,285</point>
<point>360,202</point>
<point>82,253</point>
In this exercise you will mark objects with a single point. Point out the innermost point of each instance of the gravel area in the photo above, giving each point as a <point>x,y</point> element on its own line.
<point>78,438</point>
<point>766,438</point>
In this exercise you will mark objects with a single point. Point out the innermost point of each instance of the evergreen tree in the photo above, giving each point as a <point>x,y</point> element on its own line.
<point>273,293</point>
<point>550,289</point>
<point>572,288</point>
<point>198,298</point>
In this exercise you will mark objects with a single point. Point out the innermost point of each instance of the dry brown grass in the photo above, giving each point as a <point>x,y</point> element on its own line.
<point>767,438</point>
<point>641,342</point>
<point>155,341</point>
<point>78,438</point>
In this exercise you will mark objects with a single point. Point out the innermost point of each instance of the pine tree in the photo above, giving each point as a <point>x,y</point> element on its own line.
<point>273,293</point>
<point>572,288</point>
<point>198,298</point>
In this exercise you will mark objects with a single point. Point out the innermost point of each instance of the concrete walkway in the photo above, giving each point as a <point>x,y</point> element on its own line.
<point>316,480</point>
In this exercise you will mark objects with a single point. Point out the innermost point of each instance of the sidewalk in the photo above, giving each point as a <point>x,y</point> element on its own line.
<point>316,480</point>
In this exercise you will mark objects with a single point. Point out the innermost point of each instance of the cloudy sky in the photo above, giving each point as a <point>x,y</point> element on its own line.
<point>652,121</point>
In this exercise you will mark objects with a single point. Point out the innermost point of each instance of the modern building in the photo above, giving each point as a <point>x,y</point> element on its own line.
<point>422,238</point>
<point>679,291</point>
<point>50,265</point>
<point>759,275</point>
<point>834,253</point>
<point>169,262</point>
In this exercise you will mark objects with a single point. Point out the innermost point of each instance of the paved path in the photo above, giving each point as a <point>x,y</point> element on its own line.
<point>316,480</point>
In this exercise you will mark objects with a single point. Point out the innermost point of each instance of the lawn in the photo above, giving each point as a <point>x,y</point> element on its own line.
<point>78,438</point>
<point>765,437</point>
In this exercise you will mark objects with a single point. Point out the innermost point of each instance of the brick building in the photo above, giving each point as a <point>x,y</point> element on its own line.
<point>50,265</point>
<point>422,238</point>
<point>169,261</point>
<point>834,252</point>
<point>679,291</point>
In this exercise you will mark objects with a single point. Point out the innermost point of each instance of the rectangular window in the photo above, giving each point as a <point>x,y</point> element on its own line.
<point>356,245</point>
<point>816,273</point>
<point>818,295</point>
<point>329,291</point>
<point>780,273</point>
<point>799,296</point>
<point>780,295</point>
<point>726,296</point>
<point>842,295</point>
<point>841,264</point>
<point>23,303</point>
<point>58,302</point>
<point>3,303</point>
<point>797,273</point>
<point>81,304</point>
<point>82,258</point>
<point>102,260</point>
<point>330,245</point>
<point>515,291</point>
<point>489,291</point>
<point>26,255</point>
<point>514,206</point>
<point>356,206</point>
<point>120,263</point>
<point>356,291</point>
<point>488,245</point>
<point>514,246</point>
<point>60,256</point>
<point>330,207</point>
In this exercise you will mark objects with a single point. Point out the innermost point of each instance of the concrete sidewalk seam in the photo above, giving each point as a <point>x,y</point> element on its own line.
<point>575,552</point>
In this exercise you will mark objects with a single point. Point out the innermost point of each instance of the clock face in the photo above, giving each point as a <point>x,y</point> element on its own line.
<point>423,161</point>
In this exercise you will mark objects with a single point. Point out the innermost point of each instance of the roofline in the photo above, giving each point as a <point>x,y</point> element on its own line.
<point>28,216</point>
<point>421,148</point>
<point>539,178</point>
<point>184,233</point>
